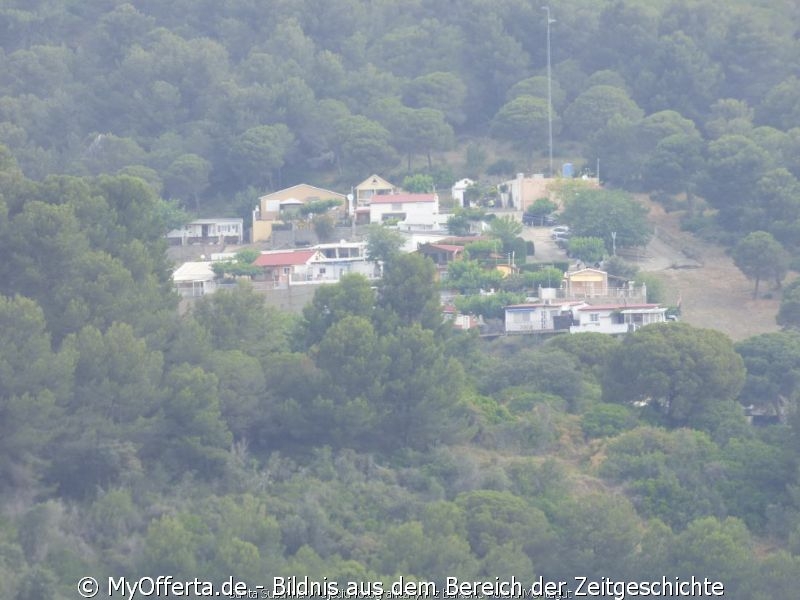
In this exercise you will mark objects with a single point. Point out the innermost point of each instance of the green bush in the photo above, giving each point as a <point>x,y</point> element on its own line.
<point>607,420</point>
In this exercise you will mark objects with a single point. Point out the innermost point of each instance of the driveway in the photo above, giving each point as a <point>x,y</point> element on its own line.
<point>546,249</point>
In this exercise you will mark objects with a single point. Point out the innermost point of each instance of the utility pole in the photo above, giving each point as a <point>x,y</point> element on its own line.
<point>549,91</point>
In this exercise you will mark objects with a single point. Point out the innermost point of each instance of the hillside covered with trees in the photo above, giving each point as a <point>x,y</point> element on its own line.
<point>217,103</point>
<point>365,440</point>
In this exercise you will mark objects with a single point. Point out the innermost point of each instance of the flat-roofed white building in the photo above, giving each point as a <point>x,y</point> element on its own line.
<point>617,318</point>
<point>221,230</point>
<point>409,211</point>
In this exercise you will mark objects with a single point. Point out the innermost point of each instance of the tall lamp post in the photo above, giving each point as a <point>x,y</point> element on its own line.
<point>549,90</point>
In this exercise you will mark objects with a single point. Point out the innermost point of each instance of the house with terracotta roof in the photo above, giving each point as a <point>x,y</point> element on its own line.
<point>408,211</point>
<point>280,267</point>
<point>324,263</point>
<point>617,318</point>
<point>441,254</point>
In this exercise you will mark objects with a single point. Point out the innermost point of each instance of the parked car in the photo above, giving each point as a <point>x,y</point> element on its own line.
<point>560,230</point>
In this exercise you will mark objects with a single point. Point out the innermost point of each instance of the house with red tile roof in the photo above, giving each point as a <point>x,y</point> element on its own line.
<point>441,254</point>
<point>324,263</point>
<point>281,266</point>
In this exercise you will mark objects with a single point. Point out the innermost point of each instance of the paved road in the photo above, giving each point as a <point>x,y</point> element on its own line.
<point>546,249</point>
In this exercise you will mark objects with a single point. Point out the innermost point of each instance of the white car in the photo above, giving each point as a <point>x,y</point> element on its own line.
<point>560,230</point>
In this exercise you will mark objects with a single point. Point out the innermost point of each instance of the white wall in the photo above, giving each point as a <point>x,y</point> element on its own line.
<point>417,213</point>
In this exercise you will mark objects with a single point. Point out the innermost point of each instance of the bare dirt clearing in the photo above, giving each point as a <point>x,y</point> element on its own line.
<point>713,291</point>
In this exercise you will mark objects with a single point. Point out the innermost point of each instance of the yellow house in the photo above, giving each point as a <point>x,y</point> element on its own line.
<point>269,206</point>
<point>372,186</point>
<point>586,283</point>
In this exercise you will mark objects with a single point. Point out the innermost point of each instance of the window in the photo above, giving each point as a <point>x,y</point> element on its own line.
<point>594,317</point>
<point>520,316</point>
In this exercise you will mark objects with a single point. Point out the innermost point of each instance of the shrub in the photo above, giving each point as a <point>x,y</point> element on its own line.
<point>607,420</point>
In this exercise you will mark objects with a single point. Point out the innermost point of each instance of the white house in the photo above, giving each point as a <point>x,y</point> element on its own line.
<point>325,263</point>
<point>194,279</point>
<point>458,189</point>
<point>337,259</point>
<point>541,316</point>
<point>411,211</point>
<point>460,320</point>
<point>617,318</point>
<point>222,231</point>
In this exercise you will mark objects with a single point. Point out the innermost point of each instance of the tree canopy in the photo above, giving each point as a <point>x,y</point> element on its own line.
<point>676,370</point>
<point>611,215</point>
<point>366,439</point>
<point>760,256</point>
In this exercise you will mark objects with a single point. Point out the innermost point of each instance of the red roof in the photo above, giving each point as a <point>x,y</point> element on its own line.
<point>402,198</point>
<point>618,306</point>
<point>284,259</point>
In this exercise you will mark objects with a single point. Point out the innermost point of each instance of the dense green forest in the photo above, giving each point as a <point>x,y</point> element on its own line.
<point>365,440</point>
<point>216,102</point>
